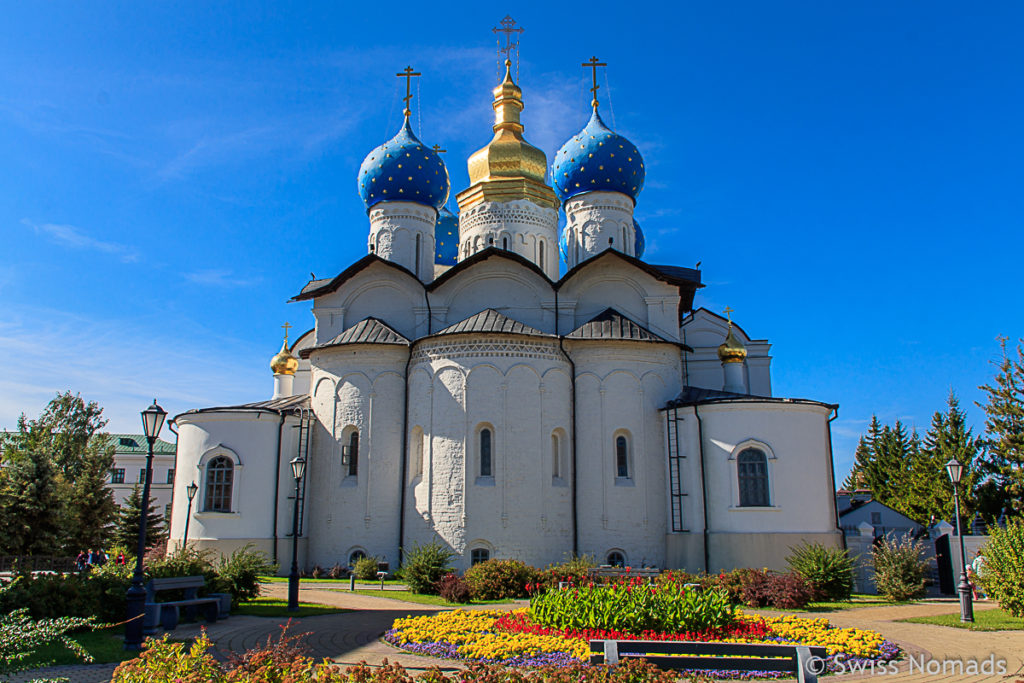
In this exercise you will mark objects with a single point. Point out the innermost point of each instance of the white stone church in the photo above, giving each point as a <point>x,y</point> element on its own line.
<point>454,388</point>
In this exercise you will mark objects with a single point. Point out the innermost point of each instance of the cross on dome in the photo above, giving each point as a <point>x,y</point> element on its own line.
<point>287,326</point>
<point>508,27</point>
<point>593,64</point>
<point>408,75</point>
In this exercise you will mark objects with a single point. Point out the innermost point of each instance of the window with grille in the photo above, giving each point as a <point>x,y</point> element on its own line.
<point>353,454</point>
<point>170,476</point>
<point>752,467</point>
<point>219,479</point>
<point>117,475</point>
<point>621,457</point>
<point>616,559</point>
<point>478,555</point>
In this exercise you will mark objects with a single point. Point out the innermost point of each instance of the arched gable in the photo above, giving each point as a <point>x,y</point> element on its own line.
<point>380,290</point>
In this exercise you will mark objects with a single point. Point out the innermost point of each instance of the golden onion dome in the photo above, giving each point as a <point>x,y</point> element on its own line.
<point>509,167</point>
<point>284,363</point>
<point>731,350</point>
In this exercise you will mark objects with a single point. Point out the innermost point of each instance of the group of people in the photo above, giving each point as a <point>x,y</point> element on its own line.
<point>87,559</point>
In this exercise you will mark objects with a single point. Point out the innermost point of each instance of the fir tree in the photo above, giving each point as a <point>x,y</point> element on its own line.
<point>29,504</point>
<point>129,516</point>
<point>1004,426</point>
<point>948,437</point>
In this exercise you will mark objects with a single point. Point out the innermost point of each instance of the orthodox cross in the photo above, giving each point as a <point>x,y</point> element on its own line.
<point>593,64</point>
<point>728,312</point>
<point>408,74</point>
<point>508,28</point>
<point>286,327</point>
<point>437,149</point>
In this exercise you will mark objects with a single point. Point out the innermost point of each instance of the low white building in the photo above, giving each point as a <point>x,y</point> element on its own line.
<point>461,391</point>
<point>129,469</point>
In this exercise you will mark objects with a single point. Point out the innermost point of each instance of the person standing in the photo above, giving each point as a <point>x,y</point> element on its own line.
<point>978,569</point>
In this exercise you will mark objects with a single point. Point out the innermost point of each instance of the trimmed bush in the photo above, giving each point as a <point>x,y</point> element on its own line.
<point>424,566</point>
<point>365,568</point>
<point>453,588</point>
<point>829,571</point>
<point>51,596</point>
<point>900,569</point>
<point>1002,575</point>
<point>573,570</point>
<point>500,579</point>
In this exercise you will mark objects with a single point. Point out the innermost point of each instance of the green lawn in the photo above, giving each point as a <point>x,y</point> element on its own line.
<point>375,582</point>
<point>268,607</point>
<point>105,646</point>
<point>409,596</point>
<point>858,600</point>
<point>984,620</point>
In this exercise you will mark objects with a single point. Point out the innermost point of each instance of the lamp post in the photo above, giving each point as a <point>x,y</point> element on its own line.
<point>956,471</point>
<point>298,469</point>
<point>152,422</point>
<point>190,491</point>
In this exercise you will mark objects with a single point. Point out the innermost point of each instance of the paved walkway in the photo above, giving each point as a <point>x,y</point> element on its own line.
<point>351,637</point>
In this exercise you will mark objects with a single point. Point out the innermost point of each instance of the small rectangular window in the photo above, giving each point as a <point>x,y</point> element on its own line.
<point>170,476</point>
<point>167,512</point>
<point>478,555</point>
<point>142,475</point>
<point>876,517</point>
<point>117,475</point>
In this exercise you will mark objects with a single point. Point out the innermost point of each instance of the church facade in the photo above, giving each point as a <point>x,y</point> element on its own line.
<point>456,388</point>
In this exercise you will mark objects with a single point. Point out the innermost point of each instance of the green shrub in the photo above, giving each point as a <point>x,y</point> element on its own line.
<point>50,596</point>
<point>829,571</point>
<point>365,568</point>
<point>633,608</point>
<point>22,635</point>
<point>763,588</point>
<point>165,661</point>
<point>239,574</point>
<point>900,569</point>
<point>500,579</point>
<point>1002,575</point>
<point>630,670</point>
<point>188,561</point>
<point>424,566</point>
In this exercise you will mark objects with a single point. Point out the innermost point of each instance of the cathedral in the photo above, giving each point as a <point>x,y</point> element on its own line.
<point>455,388</point>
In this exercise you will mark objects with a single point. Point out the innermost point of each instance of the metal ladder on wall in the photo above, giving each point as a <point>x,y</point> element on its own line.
<point>675,461</point>
<point>302,451</point>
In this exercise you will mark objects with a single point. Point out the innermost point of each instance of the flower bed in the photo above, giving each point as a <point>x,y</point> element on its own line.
<point>513,639</point>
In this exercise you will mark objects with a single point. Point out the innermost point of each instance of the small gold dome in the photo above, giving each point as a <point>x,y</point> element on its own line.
<point>284,363</point>
<point>509,167</point>
<point>731,350</point>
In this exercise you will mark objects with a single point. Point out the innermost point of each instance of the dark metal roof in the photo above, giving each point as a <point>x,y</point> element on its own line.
<point>315,288</point>
<point>490,320</point>
<point>610,324</point>
<point>691,396</point>
<point>367,331</point>
<point>483,255</point>
<point>679,273</point>
<point>686,279</point>
<point>290,405</point>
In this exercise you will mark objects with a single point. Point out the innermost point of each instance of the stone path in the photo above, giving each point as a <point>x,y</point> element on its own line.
<point>351,637</point>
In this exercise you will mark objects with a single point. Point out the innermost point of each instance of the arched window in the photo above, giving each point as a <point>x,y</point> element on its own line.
<point>625,242</point>
<point>350,454</point>
<point>355,556</point>
<point>556,457</point>
<point>419,247</point>
<point>752,469</point>
<point>504,243</point>
<point>219,477</point>
<point>485,453</point>
<point>616,559</point>
<point>622,456</point>
<point>540,254</point>
<point>478,555</point>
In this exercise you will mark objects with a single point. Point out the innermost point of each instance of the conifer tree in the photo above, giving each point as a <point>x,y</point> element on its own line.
<point>948,437</point>
<point>129,516</point>
<point>1004,426</point>
<point>29,504</point>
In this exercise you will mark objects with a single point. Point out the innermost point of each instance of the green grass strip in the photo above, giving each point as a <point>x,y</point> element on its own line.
<point>984,620</point>
<point>270,607</point>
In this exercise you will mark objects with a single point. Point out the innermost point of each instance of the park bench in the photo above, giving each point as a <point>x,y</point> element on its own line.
<point>609,572</point>
<point>167,614</point>
<point>805,662</point>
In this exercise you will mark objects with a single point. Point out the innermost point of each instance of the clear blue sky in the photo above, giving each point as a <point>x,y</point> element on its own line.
<point>850,175</point>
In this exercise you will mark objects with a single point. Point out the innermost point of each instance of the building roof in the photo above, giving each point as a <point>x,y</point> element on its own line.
<point>490,320</point>
<point>367,331</point>
<point>127,444</point>
<point>610,324</point>
<point>691,396</point>
<point>289,405</point>
<point>319,287</point>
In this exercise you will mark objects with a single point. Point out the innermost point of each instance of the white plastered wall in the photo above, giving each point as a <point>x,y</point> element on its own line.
<point>597,221</point>
<point>359,386</point>
<point>519,387</point>
<point>619,388</point>
<point>378,291</point>
<point>403,232</point>
<point>704,331</point>
<point>519,226</point>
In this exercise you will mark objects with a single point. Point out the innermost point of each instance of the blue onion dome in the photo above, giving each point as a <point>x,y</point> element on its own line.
<point>563,244</point>
<point>640,244</point>
<point>597,159</point>
<point>404,169</point>
<point>446,238</point>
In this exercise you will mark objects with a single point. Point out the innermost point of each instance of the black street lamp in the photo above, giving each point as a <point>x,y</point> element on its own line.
<point>152,422</point>
<point>298,469</point>
<point>956,470</point>
<point>190,491</point>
